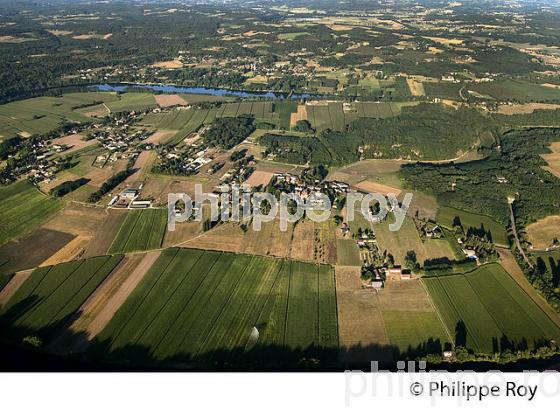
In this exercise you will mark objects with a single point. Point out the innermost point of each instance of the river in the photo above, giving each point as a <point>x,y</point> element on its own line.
<point>220,92</point>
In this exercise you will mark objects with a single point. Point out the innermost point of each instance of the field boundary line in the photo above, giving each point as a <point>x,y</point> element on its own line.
<point>186,333</point>
<point>167,301</point>
<point>109,257</point>
<point>141,302</point>
<point>154,349</point>
<point>237,284</point>
<point>270,293</point>
<point>436,310</point>
<point>43,300</point>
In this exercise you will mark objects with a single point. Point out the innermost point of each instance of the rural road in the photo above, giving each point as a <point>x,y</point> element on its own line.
<point>514,230</point>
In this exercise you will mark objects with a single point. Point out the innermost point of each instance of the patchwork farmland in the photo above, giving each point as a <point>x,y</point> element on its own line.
<point>207,306</point>
<point>140,231</point>
<point>496,312</point>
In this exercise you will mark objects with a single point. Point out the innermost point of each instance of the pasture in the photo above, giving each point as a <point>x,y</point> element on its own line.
<point>141,230</point>
<point>496,312</point>
<point>22,208</point>
<point>201,306</point>
<point>446,215</point>
<point>46,300</point>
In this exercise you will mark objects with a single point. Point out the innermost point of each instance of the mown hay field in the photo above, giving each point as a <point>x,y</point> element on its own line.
<point>203,306</point>
<point>493,308</point>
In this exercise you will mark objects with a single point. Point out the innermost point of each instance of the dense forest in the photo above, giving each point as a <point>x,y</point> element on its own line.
<point>427,131</point>
<point>513,168</point>
<point>228,132</point>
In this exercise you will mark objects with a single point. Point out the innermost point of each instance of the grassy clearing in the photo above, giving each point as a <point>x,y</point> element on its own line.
<point>347,253</point>
<point>52,294</point>
<point>141,230</point>
<point>22,208</point>
<point>491,305</point>
<point>446,216</point>
<point>202,306</point>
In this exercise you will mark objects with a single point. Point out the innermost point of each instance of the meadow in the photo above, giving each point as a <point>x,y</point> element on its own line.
<point>43,114</point>
<point>202,306</point>
<point>52,294</point>
<point>22,208</point>
<point>446,215</point>
<point>140,231</point>
<point>497,313</point>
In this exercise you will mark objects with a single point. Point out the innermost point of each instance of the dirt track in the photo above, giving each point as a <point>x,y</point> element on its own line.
<point>102,305</point>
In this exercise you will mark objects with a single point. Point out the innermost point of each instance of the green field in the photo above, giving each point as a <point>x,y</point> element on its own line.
<point>22,208</point>
<point>447,214</point>
<point>51,295</point>
<point>141,230</point>
<point>44,114</point>
<point>491,305</point>
<point>332,116</point>
<point>407,330</point>
<point>517,90</point>
<point>201,306</point>
<point>133,102</point>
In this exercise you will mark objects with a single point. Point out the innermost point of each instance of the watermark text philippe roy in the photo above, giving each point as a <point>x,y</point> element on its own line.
<point>240,204</point>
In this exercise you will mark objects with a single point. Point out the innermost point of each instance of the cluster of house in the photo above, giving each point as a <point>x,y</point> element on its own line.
<point>382,273</point>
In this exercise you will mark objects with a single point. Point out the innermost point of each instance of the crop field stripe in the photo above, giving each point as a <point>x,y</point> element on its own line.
<point>133,302</point>
<point>28,288</point>
<point>88,287</point>
<point>489,288</point>
<point>170,341</point>
<point>232,329</point>
<point>475,316</point>
<point>271,299</point>
<point>275,310</point>
<point>194,338</point>
<point>535,315</point>
<point>200,300</point>
<point>164,320</point>
<point>540,318</point>
<point>301,329</point>
<point>204,339</point>
<point>328,316</point>
<point>137,322</point>
<point>52,304</point>
<point>125,232</point>
<point>51,286</point>
<point>191,262</point>
<point>445,307</point>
